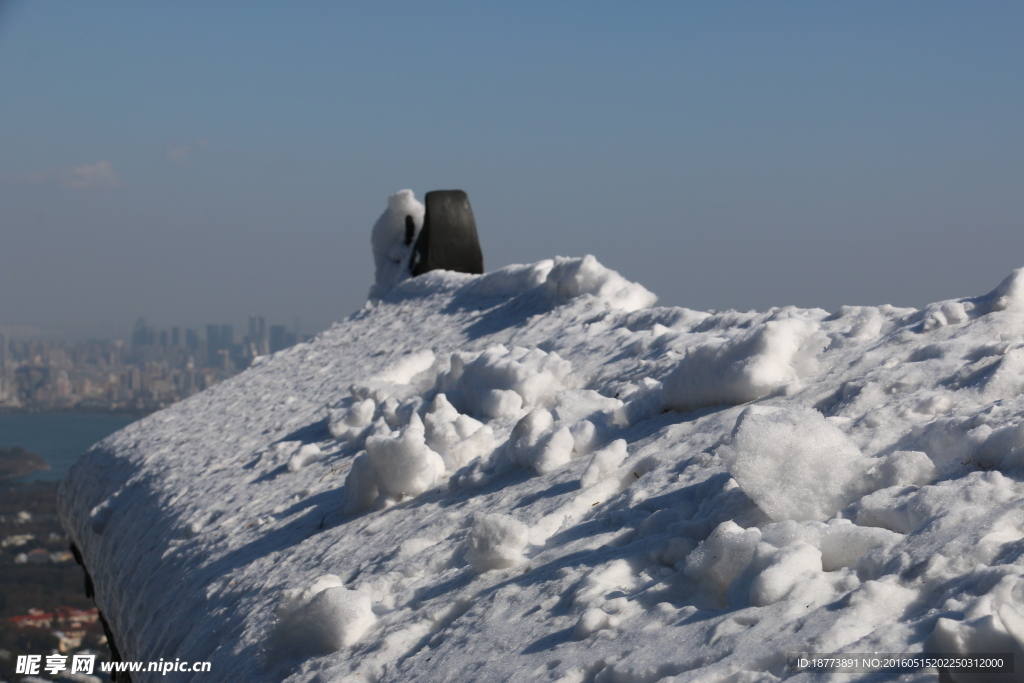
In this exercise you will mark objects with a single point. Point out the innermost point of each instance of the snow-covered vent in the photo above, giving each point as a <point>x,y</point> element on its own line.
<point>535,474</point>
<point>392,240</point>
<point>409,240</point>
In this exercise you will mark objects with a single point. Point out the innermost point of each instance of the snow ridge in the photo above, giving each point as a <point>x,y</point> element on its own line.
<point>535,474</point>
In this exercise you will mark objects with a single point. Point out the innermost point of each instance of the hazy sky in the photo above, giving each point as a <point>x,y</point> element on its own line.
<point>196,162</point>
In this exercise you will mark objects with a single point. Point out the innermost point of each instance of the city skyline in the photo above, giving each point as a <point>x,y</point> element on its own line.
<point>15,331</point>
<point>154,368</point>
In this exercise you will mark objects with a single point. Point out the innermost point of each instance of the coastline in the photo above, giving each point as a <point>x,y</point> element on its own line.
<point>59,437</point>
<point>17,462</point>
<point>76,410</point>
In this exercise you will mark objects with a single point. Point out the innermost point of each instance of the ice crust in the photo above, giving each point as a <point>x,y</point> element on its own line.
<point>534,474</point>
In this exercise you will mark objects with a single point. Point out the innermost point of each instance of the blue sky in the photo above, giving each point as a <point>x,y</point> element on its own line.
<point>196,162</point>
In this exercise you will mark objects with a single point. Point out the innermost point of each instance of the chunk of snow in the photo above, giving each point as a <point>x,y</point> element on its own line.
<point>790,566</point>
<point>496,542</point>
<point>324,618</point>
<point>746,367</point>
<point>573,277</point>
<point>403,465</point>
<point>457,438</point>
<point>306,455</point>
<point>361,490</point>
<point>901,468</point>
<point>500,403</point>
<point>535,443</point>
<point>794,464</point>
<point>723,556</point>
<point>1009,295</point>
<point>100,515</point>
<point>590,622</point>
<point>408,367</point>
<point>604,462</point>
<point>534,375</point>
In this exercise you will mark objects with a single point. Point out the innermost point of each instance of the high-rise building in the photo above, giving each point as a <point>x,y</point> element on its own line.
<point>192,341</point>
<point>278,338</point>
<point>213,345</point>
<point>142,334</point>
<point>3,351</point>
<point>133,379</point>
<point>258,335</point>
<point>175,337</point>
<point>218,338</point>
<point>227,336</point>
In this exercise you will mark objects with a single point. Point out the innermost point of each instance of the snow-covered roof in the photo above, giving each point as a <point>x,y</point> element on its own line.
<point>535,474</point>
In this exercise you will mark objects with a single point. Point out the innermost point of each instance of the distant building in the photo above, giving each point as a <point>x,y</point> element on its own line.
<point>258,335</point>
<point>213,345</point>
<point>134,380</point>
<point>279,338</point>
<point>68,618</point>
<point>151,371</point>
<point>143,335</point>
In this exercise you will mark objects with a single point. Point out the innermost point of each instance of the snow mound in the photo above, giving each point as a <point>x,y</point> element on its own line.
<point>745,367</point>
<point>501,382</point>
<point>559,279</point>
<point>573,277</point>
<point>1009,295</point>
<point>536,474</point>
<point>404,465</point>
<point>323,618</point>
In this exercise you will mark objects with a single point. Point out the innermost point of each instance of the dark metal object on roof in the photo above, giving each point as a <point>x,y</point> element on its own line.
<point>448,239</point>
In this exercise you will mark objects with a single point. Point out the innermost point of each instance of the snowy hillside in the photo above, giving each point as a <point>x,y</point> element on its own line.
<point>535,474</point>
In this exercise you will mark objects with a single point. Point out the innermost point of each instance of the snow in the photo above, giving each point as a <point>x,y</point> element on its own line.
<point>746,366</point>
<point>496,542</point>
<point>324,618</point>
<point>604,462</point>
<point>794,464</point>
<point>535,474</point>
<point>391,252</point>
<point>403,466</point>
<point>308,453</point>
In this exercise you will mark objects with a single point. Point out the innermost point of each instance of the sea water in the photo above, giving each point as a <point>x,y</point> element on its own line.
<point>59,438</point>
